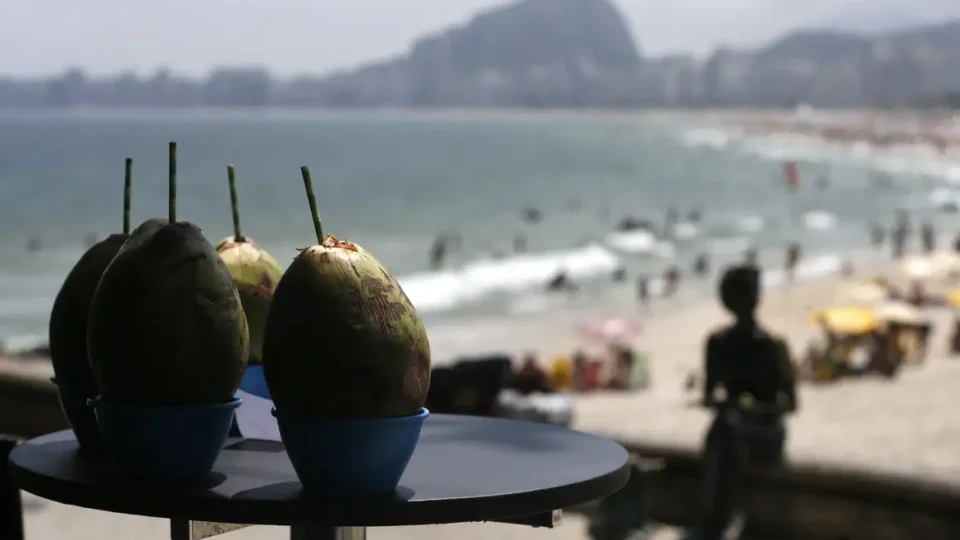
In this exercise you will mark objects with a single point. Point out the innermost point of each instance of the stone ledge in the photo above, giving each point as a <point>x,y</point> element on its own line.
<point>802,500</point>
<point>811,501</point>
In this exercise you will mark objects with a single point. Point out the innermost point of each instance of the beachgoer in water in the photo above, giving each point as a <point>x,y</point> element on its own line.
<point>750,257</point>
<point>34,244</point>
<point>670,222</point>
<point>754,370</point>
<point>701,265</point>
<point>928,237</point>
<point>877,234</point>
<point>900,234</point>
<point>619,274</point>
<point>90,239</point>
<point>438,251</point>
<point>643,290</point>
<point>531,215</point>
<point>519,243</point>
<point>695,215</point>
<point>671,281</point>
<point>561,282</point>
<point>793,259</point>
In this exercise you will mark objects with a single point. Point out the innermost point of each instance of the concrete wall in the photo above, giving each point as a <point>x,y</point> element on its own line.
<point>803,501</point>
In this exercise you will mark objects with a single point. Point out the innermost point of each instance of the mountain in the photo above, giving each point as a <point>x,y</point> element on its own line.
<point>831,68</point>
<point>535,53</point>
<point>563,54</point>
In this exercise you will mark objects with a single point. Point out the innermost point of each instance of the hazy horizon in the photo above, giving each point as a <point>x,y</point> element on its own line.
<point>318,36</point>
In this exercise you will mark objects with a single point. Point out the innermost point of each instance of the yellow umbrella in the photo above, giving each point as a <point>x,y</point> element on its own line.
<point>954,298</point>
<point>901,312</point>
<point>847,320</point>
<point>863,292</point>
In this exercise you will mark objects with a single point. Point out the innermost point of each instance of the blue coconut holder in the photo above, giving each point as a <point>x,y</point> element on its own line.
<point>350,457</point>
<point>164,443</point>
<point>253,381</point>
<point>73,401</point>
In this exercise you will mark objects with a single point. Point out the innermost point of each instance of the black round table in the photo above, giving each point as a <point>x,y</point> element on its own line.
<point>464,469</point>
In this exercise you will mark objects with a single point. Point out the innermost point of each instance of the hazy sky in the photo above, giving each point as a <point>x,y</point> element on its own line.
<point>45,36</point>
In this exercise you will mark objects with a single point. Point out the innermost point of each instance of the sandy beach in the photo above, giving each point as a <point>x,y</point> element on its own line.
<point>900,425</point>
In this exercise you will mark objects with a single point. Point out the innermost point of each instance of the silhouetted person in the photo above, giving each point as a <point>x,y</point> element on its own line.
<point>928,236</point>
<point>792,260</point>
<point>701,265</point>
<point>438,251</point>
<point>754,371</point>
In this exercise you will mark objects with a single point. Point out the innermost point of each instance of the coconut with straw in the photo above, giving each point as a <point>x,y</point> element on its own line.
<point>166,324</point>
<point>255,273</point>
<point>71,308</point>
<point>342,339</point>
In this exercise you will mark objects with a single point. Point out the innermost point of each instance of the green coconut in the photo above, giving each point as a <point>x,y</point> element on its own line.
<point>68,319</point>
<point>166,324</point>
<point>342,339</point>
<point>255,274</point>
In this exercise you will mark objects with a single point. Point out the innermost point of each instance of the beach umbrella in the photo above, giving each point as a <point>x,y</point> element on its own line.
<point>936,265</point>
<point>611,330</point>
<point>954,298</point>
<point>864,292</point>
<point>847,320</point>
<point>901,312</point>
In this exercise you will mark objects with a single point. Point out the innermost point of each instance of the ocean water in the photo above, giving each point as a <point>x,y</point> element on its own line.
<point>394,181</point>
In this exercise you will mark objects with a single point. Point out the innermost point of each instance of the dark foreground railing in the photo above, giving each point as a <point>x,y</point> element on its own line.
<point>807,501</point>
<point>11,510</point>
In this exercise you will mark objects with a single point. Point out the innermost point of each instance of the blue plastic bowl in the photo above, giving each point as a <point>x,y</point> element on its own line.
<point>350,457</point>
<point>253,382</point>
<point>73,402</point>
<point>164,443</point>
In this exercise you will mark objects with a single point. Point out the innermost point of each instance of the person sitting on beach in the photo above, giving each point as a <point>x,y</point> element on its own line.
<point>917,295</point>
<point>753,369</point>
<point>530,378</point>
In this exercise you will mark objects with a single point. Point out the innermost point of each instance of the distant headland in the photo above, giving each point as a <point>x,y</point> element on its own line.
<point>558,54</point>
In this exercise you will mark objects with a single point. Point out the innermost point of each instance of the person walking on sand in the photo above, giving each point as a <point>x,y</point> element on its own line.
<point>928,237</point>
<point>701,265</point>
<point>754,369</point>
<point>671,281</point>
<point>643,290</point>
<point>793,259</point>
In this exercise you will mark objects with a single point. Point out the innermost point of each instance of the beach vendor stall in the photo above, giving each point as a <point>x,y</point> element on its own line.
<point>908,329</point>
<point>953,299</point>
<point>628,368</point>
<point>849,340</point>
<point>865,291</point>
